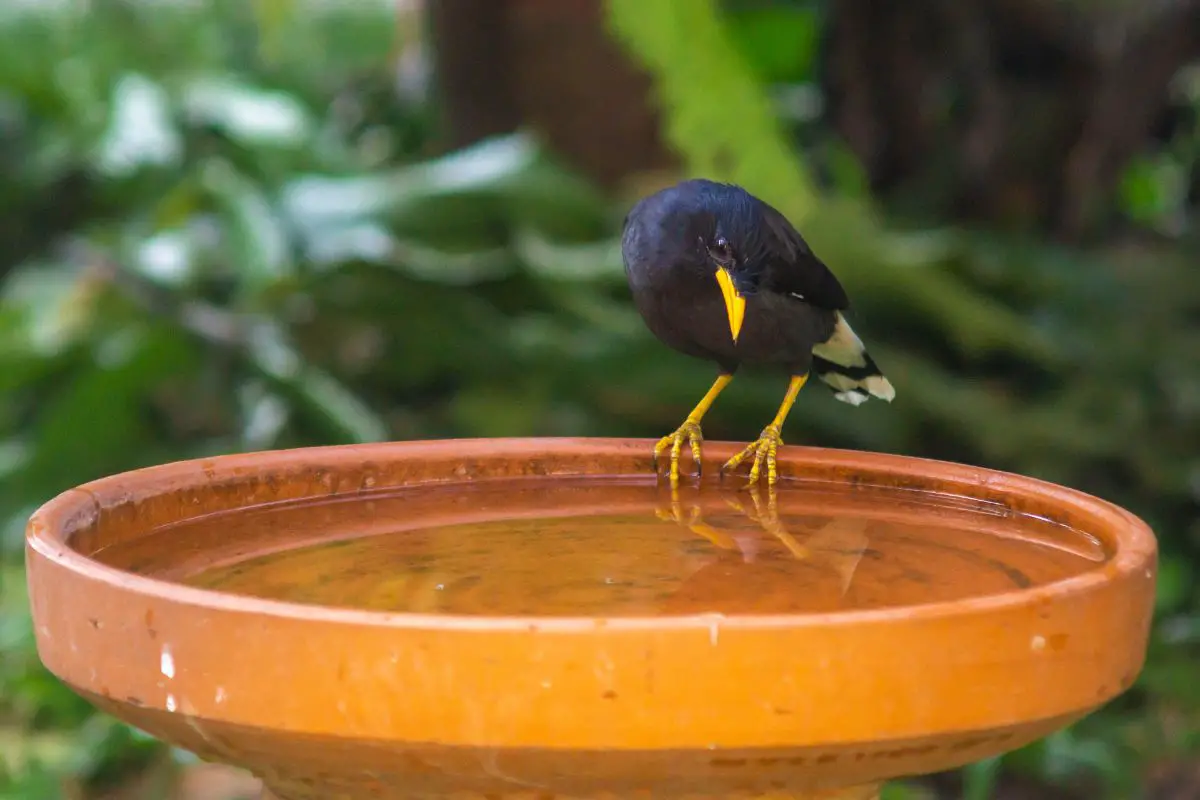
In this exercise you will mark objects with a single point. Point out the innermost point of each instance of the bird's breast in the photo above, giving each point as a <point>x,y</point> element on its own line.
<point>781,330</point>
<point>689,314</point>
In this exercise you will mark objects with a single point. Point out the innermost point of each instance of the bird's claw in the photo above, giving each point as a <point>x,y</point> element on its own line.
<point>689,431</point>
<point>764,449</point>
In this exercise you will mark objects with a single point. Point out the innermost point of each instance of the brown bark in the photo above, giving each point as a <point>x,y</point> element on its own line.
<point>1047,103</point>
<point>1130,92</point>
<point>474,68</point>
<point>551,66</point>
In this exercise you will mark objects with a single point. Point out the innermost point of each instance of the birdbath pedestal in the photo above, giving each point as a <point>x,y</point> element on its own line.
<point>849,643</point>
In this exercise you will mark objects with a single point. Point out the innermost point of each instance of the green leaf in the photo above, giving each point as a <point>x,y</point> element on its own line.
<point>141,131</point>
<point>454,201</point>
<point>1174,585</point>
<point>1154,188</point>
<point>979,779</point>
<point>344,416</point>
<point>692,59</point>
<point>591,261</point>
<point>273,16</point>
<point>247,114</point>
<point>261,252</point>
<point>44,309</point>
<point>899,790</point>
<point>779,43</point>
<point>69,447</point>
<point>167,258</point>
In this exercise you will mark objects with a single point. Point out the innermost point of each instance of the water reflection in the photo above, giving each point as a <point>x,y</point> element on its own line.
<point>586,547</point>
<point>837,543</point>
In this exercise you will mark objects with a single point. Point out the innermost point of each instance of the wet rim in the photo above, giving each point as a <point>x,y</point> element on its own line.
<point>1131,541</point>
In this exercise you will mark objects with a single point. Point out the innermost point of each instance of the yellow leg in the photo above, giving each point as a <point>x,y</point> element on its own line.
<point>689,431</point>
<point>765,447</point>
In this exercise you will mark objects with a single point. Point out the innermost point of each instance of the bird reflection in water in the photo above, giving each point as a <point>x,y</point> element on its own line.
<point>835,544</point>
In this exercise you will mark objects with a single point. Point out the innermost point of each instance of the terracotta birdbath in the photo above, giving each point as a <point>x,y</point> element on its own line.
<point>541,618</point>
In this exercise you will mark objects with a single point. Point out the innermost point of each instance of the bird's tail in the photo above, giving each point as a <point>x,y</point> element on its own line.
<point>842,362</point>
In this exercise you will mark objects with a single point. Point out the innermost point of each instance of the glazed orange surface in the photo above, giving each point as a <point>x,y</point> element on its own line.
<point>566,637</point>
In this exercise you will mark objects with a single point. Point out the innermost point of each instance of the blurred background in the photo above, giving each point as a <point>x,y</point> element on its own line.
<point>233,225</point>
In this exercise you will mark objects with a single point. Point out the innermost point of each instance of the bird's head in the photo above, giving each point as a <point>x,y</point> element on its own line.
<point>727,226</point>
<point>730,276</point>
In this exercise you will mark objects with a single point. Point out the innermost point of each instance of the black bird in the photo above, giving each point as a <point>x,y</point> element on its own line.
<point>718,274</point>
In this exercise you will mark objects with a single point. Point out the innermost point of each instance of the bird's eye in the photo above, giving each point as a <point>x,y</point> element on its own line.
<point>721,250</point>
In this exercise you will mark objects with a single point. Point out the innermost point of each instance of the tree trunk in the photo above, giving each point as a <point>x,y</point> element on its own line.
<point>1023,111</point>
<point>474,68</point>
<point>549,65</point>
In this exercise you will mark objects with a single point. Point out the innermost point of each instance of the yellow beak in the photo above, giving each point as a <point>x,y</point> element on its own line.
<point>735,304</point>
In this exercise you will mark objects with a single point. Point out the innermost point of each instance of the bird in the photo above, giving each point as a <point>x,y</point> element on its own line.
<point>719,274</point>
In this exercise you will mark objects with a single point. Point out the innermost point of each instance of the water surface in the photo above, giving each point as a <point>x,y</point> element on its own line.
<point>589,547</point>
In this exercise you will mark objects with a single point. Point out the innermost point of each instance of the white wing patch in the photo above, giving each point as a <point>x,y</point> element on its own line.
<point>846,351</point>
<point>843,348</point>
<point>853,398</point>
<point>881,387</point>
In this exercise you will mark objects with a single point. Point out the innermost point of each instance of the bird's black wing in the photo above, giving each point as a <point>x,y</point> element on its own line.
<point>791,267</point>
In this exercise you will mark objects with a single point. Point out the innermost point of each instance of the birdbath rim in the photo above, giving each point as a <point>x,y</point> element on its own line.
<point>1131,545</point>
<point>691,703</point>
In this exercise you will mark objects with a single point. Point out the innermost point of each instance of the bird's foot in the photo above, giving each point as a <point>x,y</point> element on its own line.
<point>688,432</point>
<point>764,450</point>
<point>693,520</point>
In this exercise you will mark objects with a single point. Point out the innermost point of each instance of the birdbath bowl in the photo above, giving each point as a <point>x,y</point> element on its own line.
<point>540,618</point>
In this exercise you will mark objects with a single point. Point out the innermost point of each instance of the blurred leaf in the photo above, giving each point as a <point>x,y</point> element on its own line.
<point>1181,630</point>
<point>12,530</point>
<point>1153,190</point>
<point>579,262</point>
<point>260,243</point>
<point>141,131</point>
<point>347,418</point>
<point>69,447</point>
<point>499,182</point>
<point>778,42</point>
<point>34,781</point>
<point>1173,585</point>
<point>272,17</point>
<point>979,779</point>
<point>897,790</point>
<point>265,415</point>
<point>692,59</point>
<point>47,308</point>
<point>1172,673</point>
<point>167,258</point>
<point>246,114</point>
<point>110,750</point>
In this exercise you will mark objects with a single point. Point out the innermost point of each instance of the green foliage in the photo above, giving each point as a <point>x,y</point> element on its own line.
<point>899,790</point>
<point>1155,188</point>
<point>779,42</point>
<point>213,240</point>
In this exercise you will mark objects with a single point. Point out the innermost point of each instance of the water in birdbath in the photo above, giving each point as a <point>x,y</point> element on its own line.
<point>575,547</point>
